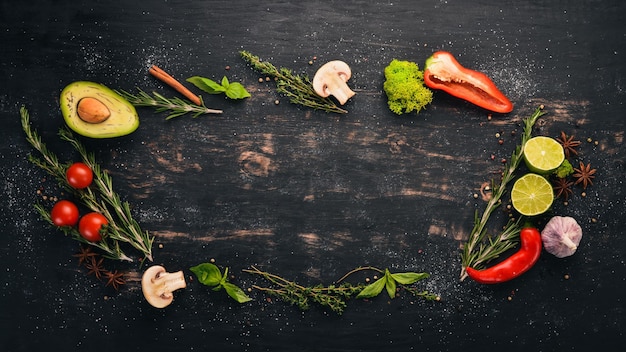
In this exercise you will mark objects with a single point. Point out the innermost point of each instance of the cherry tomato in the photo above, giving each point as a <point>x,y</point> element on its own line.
<point>90,225</point>
<point>79,175</point>
<point>64,213</point>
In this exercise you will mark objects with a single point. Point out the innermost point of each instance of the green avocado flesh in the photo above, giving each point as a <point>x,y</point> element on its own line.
<point>122,120</point>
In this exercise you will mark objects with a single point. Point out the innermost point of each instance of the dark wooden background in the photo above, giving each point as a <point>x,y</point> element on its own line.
<point>309,195</point>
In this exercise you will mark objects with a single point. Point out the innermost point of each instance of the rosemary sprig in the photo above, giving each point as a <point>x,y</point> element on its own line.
<point>176,106</point>
<point>298,88</point>
<point>110,249</point>
<point>100,197</point>
<point>480,247</point>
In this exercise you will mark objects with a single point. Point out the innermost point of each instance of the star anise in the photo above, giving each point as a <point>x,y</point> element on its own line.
<point>84,255</point>
<point>584,175</point>
<point>563,187</point>
<point>95,267</point>
<point>114,279</point>
<point>569,144</point>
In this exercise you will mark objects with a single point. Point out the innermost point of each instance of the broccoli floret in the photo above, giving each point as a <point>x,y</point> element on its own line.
<point>404,86</point>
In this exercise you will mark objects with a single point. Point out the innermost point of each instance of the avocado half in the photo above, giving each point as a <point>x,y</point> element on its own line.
<point>93,110</point>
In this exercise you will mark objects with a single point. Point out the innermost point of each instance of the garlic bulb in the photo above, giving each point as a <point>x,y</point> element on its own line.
<point>561,236</point>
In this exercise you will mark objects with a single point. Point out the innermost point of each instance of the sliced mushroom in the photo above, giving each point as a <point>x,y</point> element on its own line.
<point>331,79</point>
<point>157,285</point>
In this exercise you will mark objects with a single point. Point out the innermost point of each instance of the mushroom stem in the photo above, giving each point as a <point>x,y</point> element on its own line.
<point>167,283</point>
<point>157,285</point>
<point>338,88</point>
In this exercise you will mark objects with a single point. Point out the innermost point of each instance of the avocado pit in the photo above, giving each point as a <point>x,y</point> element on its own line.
<point>92,110</point>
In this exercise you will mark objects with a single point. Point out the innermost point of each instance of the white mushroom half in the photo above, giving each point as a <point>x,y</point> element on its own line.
<point>157,285</point>
<point>331,78</point>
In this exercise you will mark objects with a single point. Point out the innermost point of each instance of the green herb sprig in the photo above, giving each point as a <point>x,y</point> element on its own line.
<point>480,247</point>
<point>335,296</point>
<point>210,275</point>
<point>233,90</point>
<point>175,106</point>
<point>99,197</point>
<point>298,88</point>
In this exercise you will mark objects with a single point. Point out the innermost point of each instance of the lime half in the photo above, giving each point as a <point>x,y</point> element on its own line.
<point>543,154</point>
<point>532,195</point>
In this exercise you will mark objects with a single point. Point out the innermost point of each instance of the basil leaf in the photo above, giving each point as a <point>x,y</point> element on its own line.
<point>236,90</point>
<point>390,284</point>
<point>236,293</point>
<point>408,278</point>
<point>207,85</point>
<point>373,289</point>
<point>224,277</point>
<point>225,82</point>
<point>207,273</point>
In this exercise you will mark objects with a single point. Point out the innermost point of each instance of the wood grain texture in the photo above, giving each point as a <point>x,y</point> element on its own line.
<point>309,195</point>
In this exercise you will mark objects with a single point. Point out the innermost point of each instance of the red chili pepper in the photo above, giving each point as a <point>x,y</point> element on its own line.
<point>516,264</point>
<point>442,71</point>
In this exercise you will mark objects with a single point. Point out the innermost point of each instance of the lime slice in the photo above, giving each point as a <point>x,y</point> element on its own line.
<point>543,154</point>
<point>532,195</point>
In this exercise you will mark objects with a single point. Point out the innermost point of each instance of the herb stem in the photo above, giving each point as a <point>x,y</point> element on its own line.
<point>298,88</point>
<point>100,197</point>
<point>476,251</point>
<point>176,106</point>
<point>361,268</point>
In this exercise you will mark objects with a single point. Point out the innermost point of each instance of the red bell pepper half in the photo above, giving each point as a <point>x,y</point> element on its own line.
<point>442,71</point>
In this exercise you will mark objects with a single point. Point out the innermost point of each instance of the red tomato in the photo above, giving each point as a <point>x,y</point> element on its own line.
<point>64,213</point>
<point>79,175</point>
<point>90,225</point>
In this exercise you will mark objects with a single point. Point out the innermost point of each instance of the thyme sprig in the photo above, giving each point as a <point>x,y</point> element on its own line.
<point>480,246</point>
<point>335,296</point>
<point>175,106</point>
<point>99,197</point>
<point>298,88</point>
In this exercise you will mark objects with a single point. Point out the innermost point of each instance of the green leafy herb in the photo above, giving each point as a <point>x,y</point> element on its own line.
<point>210,275</point>
<point>233,90</point>
<point>374,289</point>
<point>409,278</point>
<point>175,106</point>
<point>390,281</point>
<point>335,296</point>
<point>480,247</point>
<point>298,88</point>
